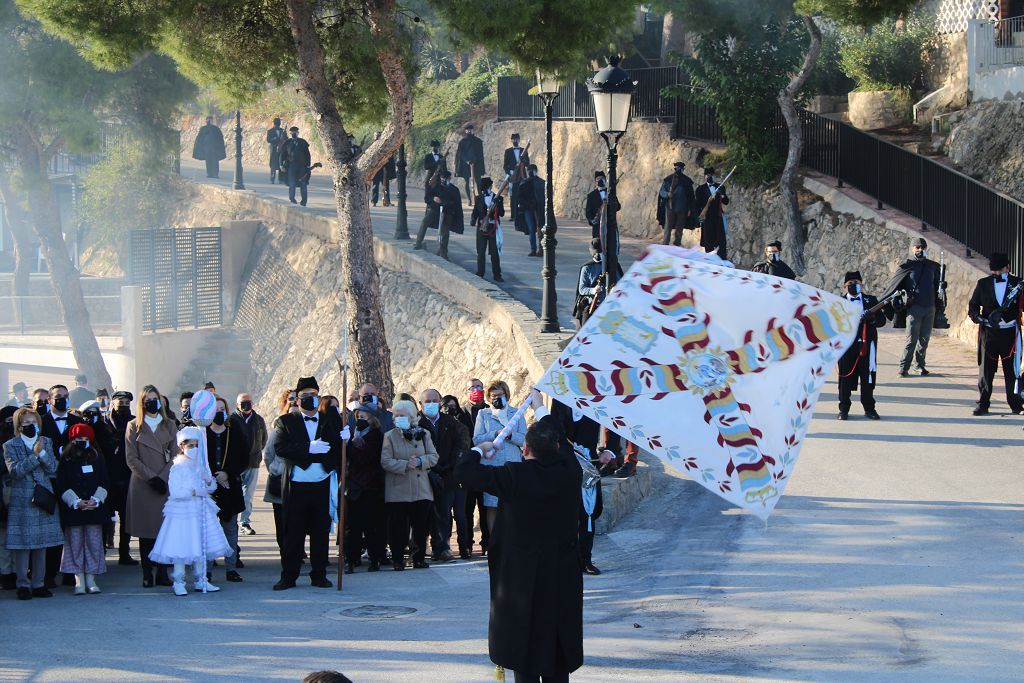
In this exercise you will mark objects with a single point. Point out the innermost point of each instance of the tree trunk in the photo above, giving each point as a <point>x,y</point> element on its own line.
<point>795,236</point>
<point>20,230</point>
<point>65,278</point>
<point>370,356</point>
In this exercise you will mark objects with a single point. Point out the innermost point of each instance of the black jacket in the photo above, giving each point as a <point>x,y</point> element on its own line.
<point>593,209</point>
<point>776,268</point>
<point>867,335</point>
<point>451,440</point>
<point>482,215</point>
<point>471,148</point>
<point>49,430</point>
<point>295,153</point>
<point>910,276</point>
<point>531,194</point>
<point>117,468</point>
<point>387,171</point>
<point>536,582</point>
<point>365,474</point>
<point>255,430</point>
<point>291,444</point>
<point>72,476</point>
<point>468,415</point>
<point>429,165</point>
<point>228,452</point>
<point>209,145</point>
<point>983,305</point>
<point>682,199</point>
<point>509,164</point>
<point>702,194</point>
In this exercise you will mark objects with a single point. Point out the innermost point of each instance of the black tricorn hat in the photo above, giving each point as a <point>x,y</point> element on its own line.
<point>446,173</point>
<point>306,383</point>
<point>515,136</point>
<point>485,183</point>
<point>435,143</point>
<point>852,275</point>
<point>998,261</point>
<point>709,170</point>
<point>469,126</point>
<point>599,174</point>
<point>294,129</point>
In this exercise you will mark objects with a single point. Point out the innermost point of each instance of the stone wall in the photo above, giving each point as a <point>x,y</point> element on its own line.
<point>255,150</point>
<point>986,144</point>
<point>947,66</point>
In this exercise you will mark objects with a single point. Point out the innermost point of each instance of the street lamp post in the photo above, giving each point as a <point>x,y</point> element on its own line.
<point>402,220</point>
<point>612,90</point>
<point>239,182</point>
<point>547,90</point>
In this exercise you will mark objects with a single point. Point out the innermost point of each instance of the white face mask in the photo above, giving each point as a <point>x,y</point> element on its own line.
<point>190,452</point>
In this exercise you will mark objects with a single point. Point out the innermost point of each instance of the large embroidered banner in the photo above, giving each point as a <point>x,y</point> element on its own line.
<point>714,370</point>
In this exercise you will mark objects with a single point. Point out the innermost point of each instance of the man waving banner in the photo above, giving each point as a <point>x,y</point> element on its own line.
<point>714,370</point>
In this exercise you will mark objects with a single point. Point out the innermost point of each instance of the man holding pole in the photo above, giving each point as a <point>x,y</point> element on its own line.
<point>310,444</point>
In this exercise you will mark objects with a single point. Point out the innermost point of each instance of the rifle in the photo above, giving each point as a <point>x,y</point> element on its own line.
<point>492,213</point>
<point>518,171</point>
<point>704,212</point>
<point>996,316</point>
<point>941,321</point>
<point>898,294</point>
<point>472,177</point>
<point>442,164</point>
<point>309,171</point>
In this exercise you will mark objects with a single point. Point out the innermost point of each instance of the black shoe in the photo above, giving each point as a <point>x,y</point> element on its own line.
<point>608,469</point>
<point>626,471</point>
<point>589,568</point>
<point>444,556</point>
<point>321,583</point>
<point>465,554</point>
<point>532,253</point>
<point>843,416</point>
<point>980,411</point>
<point>398,566</point>
<point>374,566</point>
<point>233,577</point>
<point>479,273</point>
<point>420,564</point>
<point>293,201</point>
<point>248,530</point>
<point>41,593</point>
<point>872,415</point>
<point>67,580</point>
<point>283,585</point>
<point>418,246</point>
<point>24,594</point>
<point>239,564</point>
<point>303,202</point>
<point>350,568</point>
<point>127,561</point>
<point>162,579</point>
<point>147,581</point>
<point>498,278</point>
<point>924,373</point>
<point>904,374</point>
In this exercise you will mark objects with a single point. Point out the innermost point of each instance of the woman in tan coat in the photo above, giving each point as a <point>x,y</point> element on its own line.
<point>407,456</point>
<point>149,446</point>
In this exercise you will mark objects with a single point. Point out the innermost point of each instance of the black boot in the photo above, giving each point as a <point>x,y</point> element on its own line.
<point>162,579</point>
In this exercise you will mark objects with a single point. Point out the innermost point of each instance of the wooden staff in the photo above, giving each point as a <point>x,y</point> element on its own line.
<point>343,367</point>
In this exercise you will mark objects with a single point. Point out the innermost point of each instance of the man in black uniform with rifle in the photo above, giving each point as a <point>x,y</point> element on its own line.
<point>857,366</point>
<point>995,305</point>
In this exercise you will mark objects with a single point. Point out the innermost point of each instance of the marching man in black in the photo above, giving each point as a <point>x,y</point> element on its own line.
<point>595,202</point>
<point>510,164</point>
<point>676,203</point>
<point>431,159</point>
<point>486,218</point>
<point>469,159</point>
<point>713,225</point>
<point>996,306</point>
<point>859,363</point>
<point>275,138</point>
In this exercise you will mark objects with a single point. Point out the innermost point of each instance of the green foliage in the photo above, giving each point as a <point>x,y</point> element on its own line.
<point>436,63</point>
<point>828,77</point>
<point>854,12</point>
<point>539,34</point>
<point>890,55</point>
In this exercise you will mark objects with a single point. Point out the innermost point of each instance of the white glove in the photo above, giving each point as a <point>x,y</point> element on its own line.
<point>346,434</point>
<point>319,447</point>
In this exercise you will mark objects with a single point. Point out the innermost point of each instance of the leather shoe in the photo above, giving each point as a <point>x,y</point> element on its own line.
<point>374,566</point>
<point>420,564</point>
<point>49,583</point>
<point>24,594</point>
<point>904,374</point>
<point>283,585</point>
<point>465,554</point>
<point>163,580</point>
<point>350,568</point>
<point>589,568</point>
<point>127,561</point>
<point>147,581</point>
<point>924,373</point>
<point>980,411</point>
<point>41,593</point>
<point>498,278</point>
<point>843,416</point>
<point>321,583</point>
<point>444,556</point>
<point>239,563</point>
<point>873,415</point>
<point>398,566</point>
<point>233,577</point>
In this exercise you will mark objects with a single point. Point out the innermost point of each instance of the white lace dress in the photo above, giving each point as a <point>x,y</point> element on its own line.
<point>183,531</point>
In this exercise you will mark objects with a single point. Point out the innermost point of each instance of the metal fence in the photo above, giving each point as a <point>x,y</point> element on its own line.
<point>1002,44</point>
<point>179,270</point>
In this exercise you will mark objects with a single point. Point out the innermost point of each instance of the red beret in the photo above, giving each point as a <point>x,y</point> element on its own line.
<point>80,431</point>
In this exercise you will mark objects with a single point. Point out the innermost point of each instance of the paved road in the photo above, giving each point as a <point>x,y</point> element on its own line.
<point>895,555</point>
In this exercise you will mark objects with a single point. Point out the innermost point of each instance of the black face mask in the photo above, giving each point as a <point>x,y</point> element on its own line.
<point>307,403</point>
<point>679,171</point>
<point>60,404</point>
<point>123,412</point>
<point>219,418</point>
<point>453,411</point>
<point>852,289</point>
<point>28,430</point>
<point>362,424</point>
<point>42,407</point>
<point>246,405</point>
<point>92,418</point>
<point>152,405</point>
<point>600,184</point>
<point>499,402</point>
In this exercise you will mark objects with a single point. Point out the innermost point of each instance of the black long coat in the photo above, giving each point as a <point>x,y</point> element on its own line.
<point>209,145</point>
<point>712,232</point>
<point>233,459</point>
<point>470,149</point>
<point>536,582</point>
<point>450,440</point>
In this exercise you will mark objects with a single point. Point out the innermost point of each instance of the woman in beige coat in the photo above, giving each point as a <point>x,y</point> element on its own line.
<point>407,456</point>
<point>149,447</point>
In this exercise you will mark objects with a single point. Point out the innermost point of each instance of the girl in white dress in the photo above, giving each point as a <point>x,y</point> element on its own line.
<point>190,517</point>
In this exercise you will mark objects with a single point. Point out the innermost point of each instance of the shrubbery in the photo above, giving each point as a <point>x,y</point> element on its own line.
<point>891,55</point>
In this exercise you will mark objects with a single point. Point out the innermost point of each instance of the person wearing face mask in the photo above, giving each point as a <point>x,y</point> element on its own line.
<point>590,285</point>
<point>857,367</point>
<point>450,439</point>
<point>55,425</point>
<point>407,455</point>
<point>475,510</point>
<point>530,196</point>
<point>486,218</point>
<point>20,398</point>
<point>444,212</point>
<point>596,199</point>
<point>996,310</point>
<point>252,424</point>
<point>368,394</point>
<point>149,443</point>
<point>41,400</point>
<point>32,527</point>
<point>713,231</point>
<point>469,159</point>
<point>92,415</point>
<point>489,424</point>
<point>227,448</point>
<point>919,276</point>
<point>364,495</point>
<point>296,161</point>
<point>309,445</point>
<point>431,159</point>
<point>8,579</point>
<point>120,474</point>
<point>82,487</point>
<point>515,155</point>
<point>676,205</point>
<point>773,263</point>
<point>185,403</point>
<point>190,530</point>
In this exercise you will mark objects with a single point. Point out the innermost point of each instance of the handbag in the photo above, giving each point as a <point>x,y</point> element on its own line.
<point>44,499</point>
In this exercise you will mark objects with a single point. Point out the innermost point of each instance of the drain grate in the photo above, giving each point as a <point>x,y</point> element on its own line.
<point>377,612</point>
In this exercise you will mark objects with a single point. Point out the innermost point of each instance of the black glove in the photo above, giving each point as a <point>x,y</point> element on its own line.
<point>158,485</point>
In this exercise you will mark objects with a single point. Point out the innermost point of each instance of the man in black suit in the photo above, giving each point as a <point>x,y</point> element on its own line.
<point>469,160</point>
<point>857,366</point>
<point>117,469</point>
<point>536,624</point>
<point>713,227</point>
<point>516,173</point>
<point>450,439</point>
<point>486,218</point>
<point>530,197</point>
<point>295,160</point>
<point>55,425</point>
<point>444,212</point>
<point>310,446</point>
<point>595,201</point>
<point>676,204</point>
<point>431,160</point>
<point>995,306</point>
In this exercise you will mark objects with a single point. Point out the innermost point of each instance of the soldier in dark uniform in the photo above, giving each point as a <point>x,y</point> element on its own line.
<point>469,160</point>
<point>920,278</point>
<point>996,305</point>
<point>384,176</point>
<point>295,160</point>
<point>431,160</point>
<point>773,263</point>
<point>590,284</point>
<point>209,147</point>
<point>444,212</point>
<point>595,201</point>
<point>275,138</point>
<point>676,203</point>
<point>486,218</point>
<point>713,228</point>
<point>531,206</point>
<point>857,366</point>
<point>510,164</point>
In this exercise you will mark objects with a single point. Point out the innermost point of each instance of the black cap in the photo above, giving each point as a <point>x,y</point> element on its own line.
<point>294,129</point>
<point>852,275</point>
<point>469,126</point>
<point>306,383</point>
<point>435,143</point>
<point>775,243</point>
<point>118,395</point>
<point>599,174</point>
<point>919,242</point>
<point>681,164</point>
<point>998,261</point>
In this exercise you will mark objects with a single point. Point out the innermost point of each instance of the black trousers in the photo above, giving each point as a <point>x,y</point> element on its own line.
<point>561,674</point>
<point>367,526</point>
<point>857,376</point>
<point>212,168</point>
<point>483,244</point>
<point>145,548</point>
<point>475,503</point>
<point>306,513</point>
<point>998,349</point>
<point>402,517</point>
<point>279,526</point>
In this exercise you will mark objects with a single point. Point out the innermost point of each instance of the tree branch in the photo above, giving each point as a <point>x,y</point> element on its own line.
<point>51,149</point>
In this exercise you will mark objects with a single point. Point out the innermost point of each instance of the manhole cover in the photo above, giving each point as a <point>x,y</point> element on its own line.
<point>377,612</point>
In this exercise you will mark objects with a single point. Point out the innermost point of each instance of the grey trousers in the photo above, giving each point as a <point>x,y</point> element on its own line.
<point>22,558</point>
<point>919,332</point>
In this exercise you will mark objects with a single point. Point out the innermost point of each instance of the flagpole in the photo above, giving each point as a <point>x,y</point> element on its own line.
<point>344,458</point>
